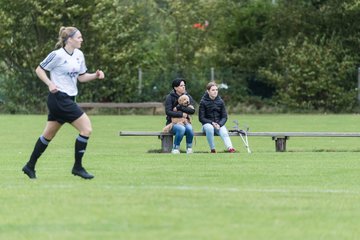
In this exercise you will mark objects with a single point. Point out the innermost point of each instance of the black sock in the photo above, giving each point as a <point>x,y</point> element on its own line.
<point>39,148</point>
<point>80,147</point>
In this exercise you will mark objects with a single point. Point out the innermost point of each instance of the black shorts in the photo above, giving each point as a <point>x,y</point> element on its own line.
<point>62,108</point>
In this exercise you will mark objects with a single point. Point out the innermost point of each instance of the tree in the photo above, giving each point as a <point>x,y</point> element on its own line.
<point>246,41</point>
<point>28,28</point>
<point>310,76</point>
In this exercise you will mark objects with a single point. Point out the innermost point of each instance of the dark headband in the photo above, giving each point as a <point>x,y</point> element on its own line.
<point>70,35</point>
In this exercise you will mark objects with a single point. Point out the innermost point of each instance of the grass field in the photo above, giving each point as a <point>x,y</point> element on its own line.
<point>310,192</point>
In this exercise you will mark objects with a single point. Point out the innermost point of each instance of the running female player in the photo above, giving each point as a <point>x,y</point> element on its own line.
<point>66,65</point>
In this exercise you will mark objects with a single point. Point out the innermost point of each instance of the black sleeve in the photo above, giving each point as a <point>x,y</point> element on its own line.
<point>224,117</point>
<point>187,110</point>
<point>169,105</point>
<point>202,114</point>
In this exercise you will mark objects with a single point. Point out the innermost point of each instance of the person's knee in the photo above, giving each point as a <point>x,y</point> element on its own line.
<point>189,130</point>
<point>83,125</point>
<point>223,132</point>
<point>86,131</point>
<point>179,129</point>
<point>208,128</point>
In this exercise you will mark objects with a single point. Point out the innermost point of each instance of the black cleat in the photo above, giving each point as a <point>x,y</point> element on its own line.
<point>28,171</point>
<point>82,173</point>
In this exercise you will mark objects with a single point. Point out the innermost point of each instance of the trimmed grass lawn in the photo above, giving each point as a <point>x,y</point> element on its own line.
<point>310,192</point>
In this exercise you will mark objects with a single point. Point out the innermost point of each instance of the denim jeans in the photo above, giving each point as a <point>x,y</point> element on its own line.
<point>179,131</point>
<point>209,130</point>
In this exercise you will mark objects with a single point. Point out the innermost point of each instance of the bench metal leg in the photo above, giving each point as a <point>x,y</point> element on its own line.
<point>166,143</point>
<point>280,143</point>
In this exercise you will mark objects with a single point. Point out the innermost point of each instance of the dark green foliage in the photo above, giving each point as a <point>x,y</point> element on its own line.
<point>302,55</point>
<point>310,76</point>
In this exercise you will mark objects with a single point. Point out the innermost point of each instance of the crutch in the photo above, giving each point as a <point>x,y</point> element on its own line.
<point>242,134</point>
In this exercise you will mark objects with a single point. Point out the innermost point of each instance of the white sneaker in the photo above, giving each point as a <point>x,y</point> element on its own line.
<point>189,151</point>
<point>175,151</point>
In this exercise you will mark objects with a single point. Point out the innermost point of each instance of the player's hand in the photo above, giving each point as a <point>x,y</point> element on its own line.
<point>53,88</point>
<point>217,126</point>
<point>100,74</point>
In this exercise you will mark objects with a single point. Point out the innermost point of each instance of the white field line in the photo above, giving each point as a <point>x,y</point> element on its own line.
<point>235,189</point>
<point>196,188</point>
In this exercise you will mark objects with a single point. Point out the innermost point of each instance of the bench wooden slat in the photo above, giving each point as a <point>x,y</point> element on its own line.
<point>305,134</point>
<point>255,134</point>
<point>137,133</point>
<point>279,137</point>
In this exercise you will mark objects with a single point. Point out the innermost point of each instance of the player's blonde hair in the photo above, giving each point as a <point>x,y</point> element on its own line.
<point>64,34</point>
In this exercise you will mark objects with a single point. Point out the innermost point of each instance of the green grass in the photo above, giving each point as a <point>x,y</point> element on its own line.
<point>310,192</point>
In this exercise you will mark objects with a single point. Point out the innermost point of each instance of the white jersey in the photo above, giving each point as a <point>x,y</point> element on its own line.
<point>64,69</point>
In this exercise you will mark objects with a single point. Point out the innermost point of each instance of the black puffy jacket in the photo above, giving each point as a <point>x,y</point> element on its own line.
<point>171,102</point>
<point>212,110</point>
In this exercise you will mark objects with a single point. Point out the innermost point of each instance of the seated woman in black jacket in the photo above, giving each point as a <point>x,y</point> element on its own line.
<point>174,110</point>
<point>213,116</point>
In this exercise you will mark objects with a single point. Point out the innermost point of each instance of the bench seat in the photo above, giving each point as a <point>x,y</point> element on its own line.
<point>279,137</point>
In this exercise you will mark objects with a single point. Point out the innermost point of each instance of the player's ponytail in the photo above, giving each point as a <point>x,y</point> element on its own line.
<point>60,42</point>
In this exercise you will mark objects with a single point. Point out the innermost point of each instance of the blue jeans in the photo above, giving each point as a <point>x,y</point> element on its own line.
<point>209,130</point>
<point>179,131</point>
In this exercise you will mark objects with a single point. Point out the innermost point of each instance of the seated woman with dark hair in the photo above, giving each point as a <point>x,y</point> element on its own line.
<point>173,110</point>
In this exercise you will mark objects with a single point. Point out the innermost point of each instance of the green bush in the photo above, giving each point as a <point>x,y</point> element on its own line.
<point>313,75</point>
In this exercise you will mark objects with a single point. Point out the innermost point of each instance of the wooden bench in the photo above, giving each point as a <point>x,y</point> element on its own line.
<point>280,138</point>
<point>138,105</point>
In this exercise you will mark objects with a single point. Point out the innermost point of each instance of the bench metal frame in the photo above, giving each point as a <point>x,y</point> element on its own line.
<point>280,138</point>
